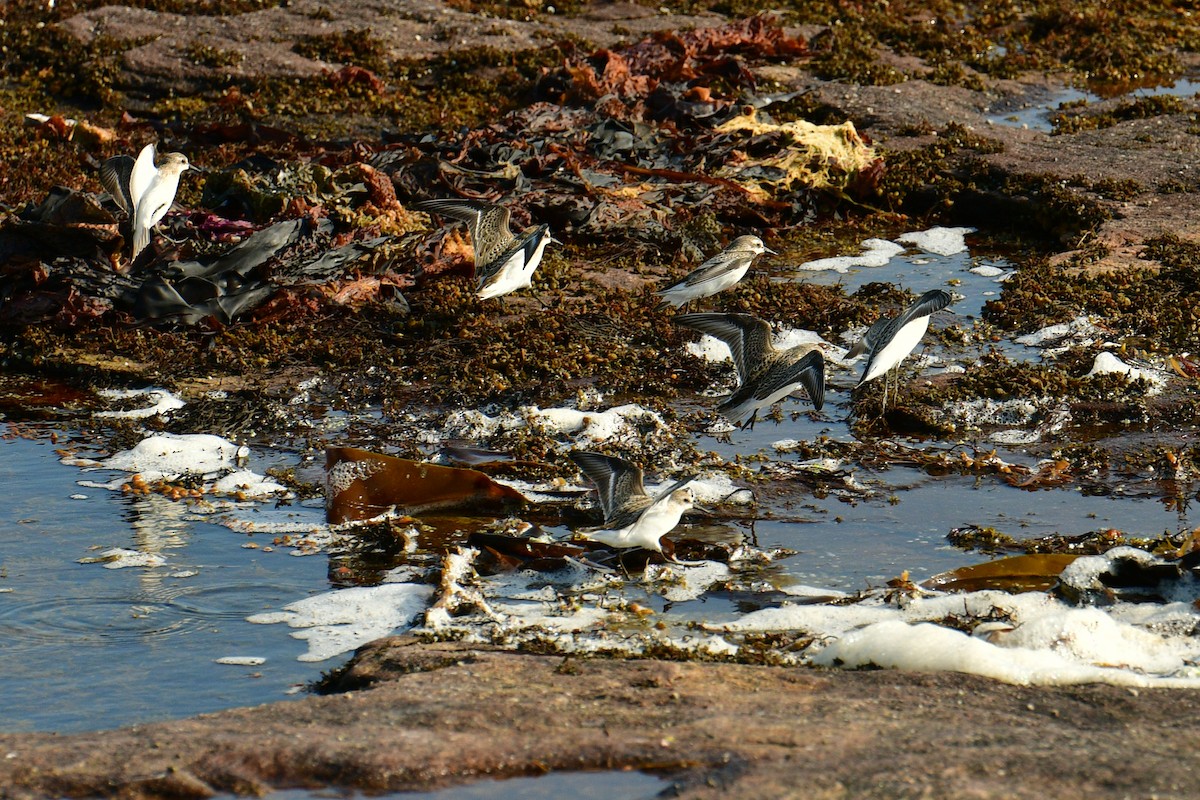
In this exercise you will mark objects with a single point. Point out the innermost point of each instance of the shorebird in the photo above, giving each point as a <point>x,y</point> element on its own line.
<point>142,190</point>
<point>890,341</point>
<point>631,517</point>
<point>503,262</point>
<point>717,273</point>
<point>868,338</point>
<point>767,375</point>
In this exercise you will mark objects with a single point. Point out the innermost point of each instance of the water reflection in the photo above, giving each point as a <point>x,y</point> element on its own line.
<point>91,647</point>
<point>577,785</point>
<point>1036,110</point>
<point>88,647</point>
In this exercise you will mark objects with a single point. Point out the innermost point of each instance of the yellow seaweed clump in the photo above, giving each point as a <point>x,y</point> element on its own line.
<point>814,156</point>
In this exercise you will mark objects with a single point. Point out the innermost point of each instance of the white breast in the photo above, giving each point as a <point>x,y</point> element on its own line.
<point>898,348</point>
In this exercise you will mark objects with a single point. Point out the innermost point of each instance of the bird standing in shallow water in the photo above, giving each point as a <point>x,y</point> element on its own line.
<point>716,274</point>
<point>889,342</point>
<point>767,374</point>
<point>503,262</point>
<point>142,190</point>
<point>631,517</point>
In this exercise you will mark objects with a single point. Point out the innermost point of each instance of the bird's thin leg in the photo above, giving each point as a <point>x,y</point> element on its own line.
<point>681,563</point>
<point>180,240</point>
<point>625,569</point>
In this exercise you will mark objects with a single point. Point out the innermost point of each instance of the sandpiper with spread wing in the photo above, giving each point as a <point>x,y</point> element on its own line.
<point>143,191</point>
<point>767,374</point>
<point>631,517</point>
<point>503,262</point>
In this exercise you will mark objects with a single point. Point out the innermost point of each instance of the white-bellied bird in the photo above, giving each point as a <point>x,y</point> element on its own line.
<point>631,517</point>
<point>890,341</point>
<point>766,374</point>
<point>143,190</point>
<point>716,274</point>
<point>503,262</point>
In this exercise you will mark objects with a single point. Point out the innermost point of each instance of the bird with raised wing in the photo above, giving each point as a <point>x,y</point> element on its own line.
<point>716,274</point>
<point>767,374</point>
<point>503,262</point>
<point>888,342</point>
<point>143,190</point>
<point>631,517</point>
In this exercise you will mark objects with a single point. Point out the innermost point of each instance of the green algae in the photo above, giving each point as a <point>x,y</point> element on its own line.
<point>1038,209</point>
<point>957,42</point>
<point>358,47</point>
<point>991,541</point>
<point>846,52</point>
<point>473,352</point>
<point>1073,121</point>
<point>210,8</point>
<point>463,88</point>
<point>1161,304</point>
<point>214,57</point>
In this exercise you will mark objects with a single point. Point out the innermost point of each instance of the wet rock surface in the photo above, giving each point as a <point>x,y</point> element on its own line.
<point>436,714</point>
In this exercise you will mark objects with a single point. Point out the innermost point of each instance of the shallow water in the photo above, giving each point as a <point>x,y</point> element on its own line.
<point>1036,115</point>
<point>87,647</point>
<point>578,785</point>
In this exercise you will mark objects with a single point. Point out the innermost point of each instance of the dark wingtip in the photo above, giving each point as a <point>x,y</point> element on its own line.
<point>689,320</point>
<point>935,300</point>
<point>815,373</point>
<point>581,457</point>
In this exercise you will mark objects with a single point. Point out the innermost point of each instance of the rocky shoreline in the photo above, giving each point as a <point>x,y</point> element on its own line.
<point>411,715</point>
<point>1112,193</point>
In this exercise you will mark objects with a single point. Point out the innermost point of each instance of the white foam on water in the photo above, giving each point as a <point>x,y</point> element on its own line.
<point>161,401</point>
<point>339,621</point>
<point>1054,339</point>
<point>596,426</point>
<point>1046,641</point>
<point>583,426</point>
<point>680,584</point>
<point>1108,364</point>
<point>170,455</point>
<point>248,483</point>
<point>938,240</point>
<point>121,557</point>
<point>710,348</point>
<point>876,253</point>
<point>990,271</point>
<point>718,487</point>
<point>931,648</point>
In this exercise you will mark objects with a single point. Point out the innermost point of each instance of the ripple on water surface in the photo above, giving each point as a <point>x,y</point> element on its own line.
<point>87,647</point>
